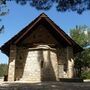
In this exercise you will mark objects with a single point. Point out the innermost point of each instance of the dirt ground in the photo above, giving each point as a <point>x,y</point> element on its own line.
<point>46,86</point>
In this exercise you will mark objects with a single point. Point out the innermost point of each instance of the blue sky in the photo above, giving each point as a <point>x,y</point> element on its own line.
<point>20,16</point>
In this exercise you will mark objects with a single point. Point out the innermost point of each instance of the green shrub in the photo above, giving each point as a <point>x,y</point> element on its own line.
<point>3,69</point>
<point>85,75</point>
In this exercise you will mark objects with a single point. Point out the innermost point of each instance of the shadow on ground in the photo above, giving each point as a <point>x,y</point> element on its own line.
<point>45,86</point>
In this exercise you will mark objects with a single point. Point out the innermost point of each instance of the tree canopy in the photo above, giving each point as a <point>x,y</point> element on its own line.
<point>81,34</point>
<point>3,12</point>
<point>61,5</point>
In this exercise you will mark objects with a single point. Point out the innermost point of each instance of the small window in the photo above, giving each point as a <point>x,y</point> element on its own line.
<point>65,67</point>
<point>42,63</point>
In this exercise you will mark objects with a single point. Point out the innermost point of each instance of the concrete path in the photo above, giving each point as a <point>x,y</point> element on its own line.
<point>45,86</point>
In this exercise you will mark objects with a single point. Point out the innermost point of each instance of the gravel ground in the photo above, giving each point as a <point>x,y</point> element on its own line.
<point>45,86</point>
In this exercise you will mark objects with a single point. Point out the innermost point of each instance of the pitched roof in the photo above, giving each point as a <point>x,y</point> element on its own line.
<point>56,31</point>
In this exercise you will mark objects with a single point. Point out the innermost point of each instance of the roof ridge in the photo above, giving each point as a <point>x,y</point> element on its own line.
<point>25,30</point>
<point>43,15</point>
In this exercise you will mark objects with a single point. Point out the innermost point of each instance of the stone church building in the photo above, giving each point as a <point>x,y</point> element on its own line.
<point>40,52</point>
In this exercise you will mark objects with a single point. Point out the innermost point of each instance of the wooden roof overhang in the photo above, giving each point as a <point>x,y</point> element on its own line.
<point>43,19</point>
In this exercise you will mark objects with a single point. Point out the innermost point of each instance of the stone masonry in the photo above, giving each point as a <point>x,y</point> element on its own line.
<point>31,69</point>
<point>40,52</point>
<point>12,59</point>
<point>40,62</point>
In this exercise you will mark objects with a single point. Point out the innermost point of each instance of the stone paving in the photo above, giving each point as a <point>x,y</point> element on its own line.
<point>45,86</point>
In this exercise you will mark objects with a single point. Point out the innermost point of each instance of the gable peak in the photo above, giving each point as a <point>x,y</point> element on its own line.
<point>43,15</point>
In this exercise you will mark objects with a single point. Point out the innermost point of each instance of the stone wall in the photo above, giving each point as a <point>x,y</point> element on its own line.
<point>31,68</point>
<point>12,59</point>
<point>28,59</point>
<point>40,62</point>
<point>44,64</point>
<point>66,62</point>
<point>70,59</point>
<point>20,62</point>
<point>49,72</point>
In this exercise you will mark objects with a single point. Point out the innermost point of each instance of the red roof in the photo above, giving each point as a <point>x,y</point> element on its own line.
<point>56,31</point>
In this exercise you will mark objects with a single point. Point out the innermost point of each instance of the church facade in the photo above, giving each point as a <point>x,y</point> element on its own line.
<point>40,52</point>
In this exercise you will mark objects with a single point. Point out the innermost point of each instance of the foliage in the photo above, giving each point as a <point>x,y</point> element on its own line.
<point>3,8</point>
<point>81,35</point>
<point>85,75</point>
<point>82,61</point>
<point>61,5</point>
<point>3,12</point>
<point>3,69</point>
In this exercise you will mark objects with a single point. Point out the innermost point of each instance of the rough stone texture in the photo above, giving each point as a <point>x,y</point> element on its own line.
<point>60,71</point>
<point>12,58</point>
<point>29,68</point>
<point>70,62</point>
<point>63,62</point>
<point>49,70</point>
<point>20,62</point>
<point>36,60</point>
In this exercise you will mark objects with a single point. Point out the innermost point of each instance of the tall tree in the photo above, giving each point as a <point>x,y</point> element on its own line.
<point>81,35</point>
